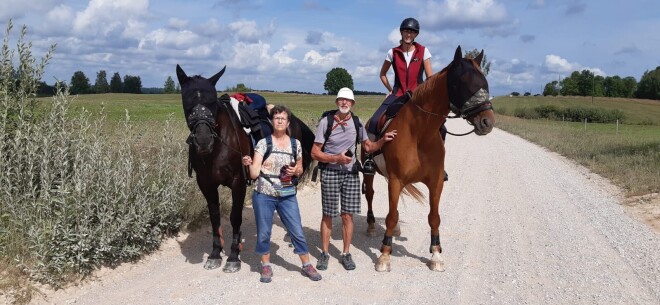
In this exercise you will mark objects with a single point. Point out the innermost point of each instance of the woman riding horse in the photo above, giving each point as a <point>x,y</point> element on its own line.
<point>417,154</point>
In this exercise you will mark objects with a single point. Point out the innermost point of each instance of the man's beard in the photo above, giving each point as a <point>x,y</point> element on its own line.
<point>344,110</point>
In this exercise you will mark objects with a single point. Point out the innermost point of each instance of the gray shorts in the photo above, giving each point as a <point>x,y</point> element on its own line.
<point>336,185</point>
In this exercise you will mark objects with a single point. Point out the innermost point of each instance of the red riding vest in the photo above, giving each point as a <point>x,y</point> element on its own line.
<point>407,78</point>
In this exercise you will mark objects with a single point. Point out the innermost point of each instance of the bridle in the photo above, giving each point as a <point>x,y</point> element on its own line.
<point>201,115</point>
<point>479,101</point>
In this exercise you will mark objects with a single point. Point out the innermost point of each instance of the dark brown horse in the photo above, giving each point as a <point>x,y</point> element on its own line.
<point>418,154</point>
<point>217,144</point>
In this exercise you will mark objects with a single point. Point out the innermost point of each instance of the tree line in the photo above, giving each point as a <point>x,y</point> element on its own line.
<point>80,84</point>
<point>585,83</point>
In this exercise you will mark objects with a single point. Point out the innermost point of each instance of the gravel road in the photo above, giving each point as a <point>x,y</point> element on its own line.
<point>520,225</point>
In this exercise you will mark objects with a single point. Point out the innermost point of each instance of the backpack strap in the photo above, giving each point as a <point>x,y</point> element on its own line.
<point>269,149</point>
<point>269,146</point>
<point>328,130</point>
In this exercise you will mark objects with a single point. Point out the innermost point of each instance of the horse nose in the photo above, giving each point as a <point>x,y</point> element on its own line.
<point>487,123</point>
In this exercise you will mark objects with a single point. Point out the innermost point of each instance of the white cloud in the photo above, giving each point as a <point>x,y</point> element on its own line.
<point>327,61</point>
<point>58,20</point>
<point>365,73</point>
<point>462,14</point>
<point>554,63</point>
<point>282,55</point>
<point>248,31</point>
<point>177,23</point>
<point>162,38</point>
<point>249,56</point>
<point>111,17</point>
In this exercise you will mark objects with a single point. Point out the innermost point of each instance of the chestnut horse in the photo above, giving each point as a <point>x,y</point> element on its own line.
<point>217,144</point>
<point>418,154</point>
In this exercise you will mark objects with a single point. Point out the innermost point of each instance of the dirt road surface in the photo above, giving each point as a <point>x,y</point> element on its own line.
<point>520,225</point>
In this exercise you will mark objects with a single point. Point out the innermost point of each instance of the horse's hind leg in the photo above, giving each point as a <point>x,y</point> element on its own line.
<point>236,217</point>
<point>368,190</point>
<point>212,201</point>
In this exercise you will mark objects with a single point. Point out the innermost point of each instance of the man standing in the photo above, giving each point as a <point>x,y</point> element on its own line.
<point>340,181</point>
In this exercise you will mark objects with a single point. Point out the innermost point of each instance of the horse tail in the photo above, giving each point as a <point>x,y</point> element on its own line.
<point>412,191</point>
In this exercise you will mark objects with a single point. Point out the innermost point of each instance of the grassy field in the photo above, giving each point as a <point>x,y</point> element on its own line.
<point>636,111</point>
<point>157,107</point>
<point>627,154</point>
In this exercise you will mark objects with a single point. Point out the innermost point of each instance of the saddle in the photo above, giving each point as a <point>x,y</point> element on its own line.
<point>385,113</point>
<point>253,115</point>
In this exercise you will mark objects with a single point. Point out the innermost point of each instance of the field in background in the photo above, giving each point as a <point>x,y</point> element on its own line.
<point>635,111</point>
<point>157,107</point>
<point>627,154</point>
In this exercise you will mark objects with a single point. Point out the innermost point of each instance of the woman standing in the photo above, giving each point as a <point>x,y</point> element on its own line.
<point>274,192</point>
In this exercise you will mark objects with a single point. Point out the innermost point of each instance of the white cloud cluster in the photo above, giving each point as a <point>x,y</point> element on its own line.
<point>120,18</point>
<point>461,14</point>
<point>554,63</point>
<point>249,31</point>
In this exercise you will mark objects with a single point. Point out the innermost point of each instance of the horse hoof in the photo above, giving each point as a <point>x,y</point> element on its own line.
<point>231,267</point>
<point>212,263</point>
<point>383,267</point>
<point>437,266</point>
<point>383,263</point>
<point>371,231</point>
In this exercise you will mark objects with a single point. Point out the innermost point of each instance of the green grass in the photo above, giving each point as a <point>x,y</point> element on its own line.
<point>628,155</point>
<point>157,107</point>
<point>636,111</point>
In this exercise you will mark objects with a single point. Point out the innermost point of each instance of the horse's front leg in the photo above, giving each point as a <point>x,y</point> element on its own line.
<point>238,188</point>
<point>212,201</point>
<point>394,190</point>
<point>436,263</point>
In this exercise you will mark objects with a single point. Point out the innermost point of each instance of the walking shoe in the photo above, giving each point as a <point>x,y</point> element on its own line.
<point>311,273</point>
<point>347,261</point>
<point>266,274</point>
<point>322,263</point>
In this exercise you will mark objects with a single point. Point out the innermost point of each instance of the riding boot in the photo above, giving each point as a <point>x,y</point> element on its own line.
<point>368,168</point>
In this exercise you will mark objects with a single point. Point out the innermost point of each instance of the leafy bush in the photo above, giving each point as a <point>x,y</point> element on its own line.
<point>573,114</point>
<point>74,194</point>
<point>525,113</point>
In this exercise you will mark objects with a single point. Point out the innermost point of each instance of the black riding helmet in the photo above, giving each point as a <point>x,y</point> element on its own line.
<point>409,24</point>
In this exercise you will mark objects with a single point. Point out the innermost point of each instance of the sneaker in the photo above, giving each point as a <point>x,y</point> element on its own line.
<point>322,263</point>
<point>347,261</point>
<point>266,274</point>
<point>311,273</point>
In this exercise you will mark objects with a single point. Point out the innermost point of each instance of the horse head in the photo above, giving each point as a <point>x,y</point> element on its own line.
<point>200,106</point>
<point>468,92</point>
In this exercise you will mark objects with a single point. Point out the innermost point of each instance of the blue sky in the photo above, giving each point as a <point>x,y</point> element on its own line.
<point>291,45</point>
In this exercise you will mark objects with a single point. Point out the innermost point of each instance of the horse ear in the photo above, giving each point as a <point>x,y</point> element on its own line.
<point>480,57</point>
<point>181,75</point>
<point>458,55</point>
<point>214,79</point>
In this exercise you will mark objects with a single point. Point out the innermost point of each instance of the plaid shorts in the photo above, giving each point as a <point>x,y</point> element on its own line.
<point>336,183</point>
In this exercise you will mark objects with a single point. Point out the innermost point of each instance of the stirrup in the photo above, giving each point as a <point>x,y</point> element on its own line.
<point>368,167</point>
